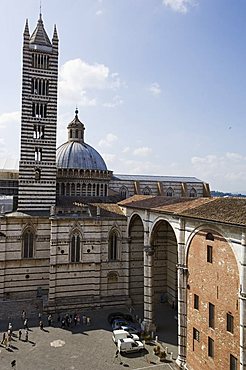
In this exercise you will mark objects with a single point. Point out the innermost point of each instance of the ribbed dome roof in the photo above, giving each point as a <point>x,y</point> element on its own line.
<point>74,154</point>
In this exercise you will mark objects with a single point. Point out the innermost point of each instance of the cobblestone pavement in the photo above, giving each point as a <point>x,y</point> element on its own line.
<point>79,347</point>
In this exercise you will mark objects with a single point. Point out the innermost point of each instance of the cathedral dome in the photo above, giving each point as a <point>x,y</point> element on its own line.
<point>75,153</point>
<point>79,155</point>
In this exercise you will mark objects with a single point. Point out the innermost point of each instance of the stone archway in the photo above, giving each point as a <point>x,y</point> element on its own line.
<point>136,261</point>
<point>165,260</point>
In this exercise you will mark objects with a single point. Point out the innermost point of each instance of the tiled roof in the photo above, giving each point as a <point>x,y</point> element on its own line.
<point>227,210</point>
<point>151,201</point>
<point>107,209</point>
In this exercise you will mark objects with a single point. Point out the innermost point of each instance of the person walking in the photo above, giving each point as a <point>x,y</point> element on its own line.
<point>49,320</point>
<point>75,319</point>
<point>4,337</point>
<point>63,322</point>
<point>23,315</point>
<point>19,334</point>
<point>41,324</point>
<point>26,335</point>
<point>10,328</point>
<point>9,338</point>
<point>88,321</point>
<point>25,324</point>
<point>67,319</point>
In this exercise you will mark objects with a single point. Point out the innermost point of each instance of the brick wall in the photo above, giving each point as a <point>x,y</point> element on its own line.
<point>216,283</point>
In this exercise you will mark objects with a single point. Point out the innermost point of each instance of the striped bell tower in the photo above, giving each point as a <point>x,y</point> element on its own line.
<point>37,166</point>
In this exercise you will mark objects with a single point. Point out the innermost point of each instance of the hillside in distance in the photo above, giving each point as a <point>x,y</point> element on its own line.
<point>216,193</point>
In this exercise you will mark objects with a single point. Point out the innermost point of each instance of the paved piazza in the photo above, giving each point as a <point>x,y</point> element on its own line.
<point>79,347</point>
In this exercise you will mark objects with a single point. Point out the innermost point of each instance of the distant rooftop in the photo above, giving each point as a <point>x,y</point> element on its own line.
<point>155,178</point>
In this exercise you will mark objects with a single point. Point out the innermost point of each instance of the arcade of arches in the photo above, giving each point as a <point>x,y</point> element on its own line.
<point>153,273</point>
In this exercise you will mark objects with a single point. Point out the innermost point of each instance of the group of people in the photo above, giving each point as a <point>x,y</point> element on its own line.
<point>73,320</point>
<point>65,321</point>
<point>8,335</point>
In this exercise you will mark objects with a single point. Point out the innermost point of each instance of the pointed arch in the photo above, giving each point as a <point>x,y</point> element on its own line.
<point>170,192</point>
<point>28,238</point>
<point>114,245</point>
<point>164,241</point>
<point>124,192</point>
<point>136,259</point>
<point>193,193</point>
<point>75,246</point>
<point>147,190</point>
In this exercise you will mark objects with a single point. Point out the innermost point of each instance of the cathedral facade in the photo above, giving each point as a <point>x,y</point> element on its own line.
<point>82,236</point>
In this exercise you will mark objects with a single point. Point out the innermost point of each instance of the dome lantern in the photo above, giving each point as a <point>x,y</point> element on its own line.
<point>76,129</point>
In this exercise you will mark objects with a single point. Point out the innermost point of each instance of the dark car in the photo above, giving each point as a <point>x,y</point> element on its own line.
<point>119,315</point>
<point>118,323</point>
<point>131,327</point>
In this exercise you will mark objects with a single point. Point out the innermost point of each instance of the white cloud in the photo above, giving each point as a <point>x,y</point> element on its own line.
<point>108,141</point>
<point>126,149</point>
<point>109,158</point>
<point>2,148</point>
<point>155,89</point>
<point>116,101</point>
<point>142,152</point>
<point>99,12</point>
<point>8,118</point>
<point>227,171</point>
<point>130,166</point>
<point>78,79</point>
<point>180,6</point>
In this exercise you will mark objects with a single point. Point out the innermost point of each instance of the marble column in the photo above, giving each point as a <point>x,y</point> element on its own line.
<point>149,319</point>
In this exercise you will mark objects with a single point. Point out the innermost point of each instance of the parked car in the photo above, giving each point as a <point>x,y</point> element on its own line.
<point>128,345</point>
<point>118,323</point>
<point>132,329</point>
<point>122,334</point>
<point>119,315</point>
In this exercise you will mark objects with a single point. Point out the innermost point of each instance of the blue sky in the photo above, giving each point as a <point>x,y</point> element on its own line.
<point>160,84</point>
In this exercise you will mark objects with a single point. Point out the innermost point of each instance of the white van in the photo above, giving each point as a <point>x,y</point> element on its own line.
<point>123,334</point>
<point>129,345</point>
